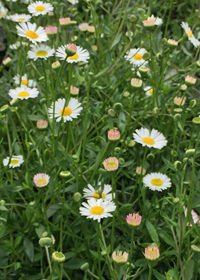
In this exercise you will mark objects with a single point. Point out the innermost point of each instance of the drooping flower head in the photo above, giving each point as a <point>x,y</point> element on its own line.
<point>20,18</point>
<point>111,164</point>
<point>134,219</point>
<point>157,181</point>
<point>67,112</point>
<point>104,194</point>
<point>150,139</point>
<point>152,253</point>
<point>190,35</point>
<point>97,209</point>
<point>24,81</point>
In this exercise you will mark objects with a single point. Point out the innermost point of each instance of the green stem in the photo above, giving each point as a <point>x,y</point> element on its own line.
<point>168,18</point>
<point>99,254</point>
<point>150,272</point>
<point>131,251</point>
<point>48,258</point>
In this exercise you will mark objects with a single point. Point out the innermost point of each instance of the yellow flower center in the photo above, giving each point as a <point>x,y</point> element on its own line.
<point>150,91</point>
<point>189,33</point>
<point>2,14</point>
<point>112,163</point>
<point>14,161</point>
<point>137,56</point>
<point>24,82</point>
<point>148,140</point>
<point>40,8</point>
<point>31,34</point>
<point>41,181</point>
<point>97,210</point>
<point>96,195</point>
<point>67,112</point>
<point>23,94</point>
<point>157,182</point>
<point>74,57</point>
<point>41,53</point>
<point>150,19</point>
<point>21,19</point>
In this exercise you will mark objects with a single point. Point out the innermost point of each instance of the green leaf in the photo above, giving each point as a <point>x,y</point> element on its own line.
<point>14,188</point>
<point>74,263</point>
<point>167,238</point>
<point>3,208</point>
<point>158,275</point>
<point>152,232</point>
<point>116,41</point>
<point>29,248</point>
<point>52,210</point>
<point>102,72</point>
<point>69,255</point>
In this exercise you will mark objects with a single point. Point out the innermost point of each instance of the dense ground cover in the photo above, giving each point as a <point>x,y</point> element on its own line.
<point>99,115</point>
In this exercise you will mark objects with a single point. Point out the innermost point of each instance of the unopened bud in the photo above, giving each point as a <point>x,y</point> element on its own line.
<point>183,87</point>
<point>193,103</point>
<point>146,56</point>
<point>126,93</point>
<point>131,143</point>
<point>150,156</point>
<point>55,64</point>
<point>58,257</point>
<point>77,196</point>
<point>4,108</point>
<point>196,120</point>
<point>65,173</point>
<point>155,110</point>
<point>111,112</point>
<point>45,241</point>
<point>176,200</point>
<point>177,164</point>
<point>85,266</point>
<point>121,161</point>
<point>132,18</point>
<point>159,56</point>
<point>190,153</point>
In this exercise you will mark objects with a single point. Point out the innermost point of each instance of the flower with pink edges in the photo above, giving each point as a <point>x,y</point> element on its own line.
<point>41,124</point>
<point>194,215</point>
<point>190,80</point>
<point>83,26</point>
<point>180,101</point>
<point>41,180</point>
<point>71,49</point>
<point>172,43</point>
<point>134,219</point>
<point>51,30</point>
<point>149,23</point>
<point>152,253</point>
<point>111,164</point>
<point>113,134</point>
<point>120,257</point>
<point>66,21</point>
<point>140,170</point>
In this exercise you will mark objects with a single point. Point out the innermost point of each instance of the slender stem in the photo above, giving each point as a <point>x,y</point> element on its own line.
<point>99,254</point>
<point>171,6</point>
<point>150,272</point>
<point>131,251</point>
<point>48,258</point>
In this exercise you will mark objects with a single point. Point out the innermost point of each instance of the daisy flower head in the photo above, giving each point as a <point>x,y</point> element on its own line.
<point>68,113</point>
<point>14,161</point>
<point>24,81</point>
<point>194,216</point>
<point>31,32</point>
<point>120,257</point>
<point>98,193</point>
<point>148,91</point>
<point>150,139</point>
<point>80,55</point>
<point>190,35</point>
<point>23,92</point>
<point>134,219</point>
<point>20,18</point>
<point>41,51</point>
<point>157,20</point>
<point>39,8</point>
<point>50,30</point>
<point>97,209</point>
<point>135,56</point>
<point>111,164</point>
<point>41,180</point>
<point>157,181</point>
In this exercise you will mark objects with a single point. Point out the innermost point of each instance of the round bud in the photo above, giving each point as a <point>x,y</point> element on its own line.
<point>45,241</point>
<point>77,196</point>
<point>58,257</point>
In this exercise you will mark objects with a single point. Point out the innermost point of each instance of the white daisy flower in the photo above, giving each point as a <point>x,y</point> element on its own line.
<point>97,209</point>
<point>80,55</point>
<point>68,113</point>
<point>41,51</point>
<point>14,161</point>
<point>23,92</point>
<point>17,45</point>
<point>31,32</point>
<point>135,56</point>
<point>73,1</point>
<point>98,193</point>
<point>11,0</point>
<point>39,8</point>
<point>3,12</point>
<point>190,35</point>
<point>157,181</point>
<point>24,81</point>
<point>20,17</point>
<point>148,91</point>
<point>158,20</point>
<point>150,139</point>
